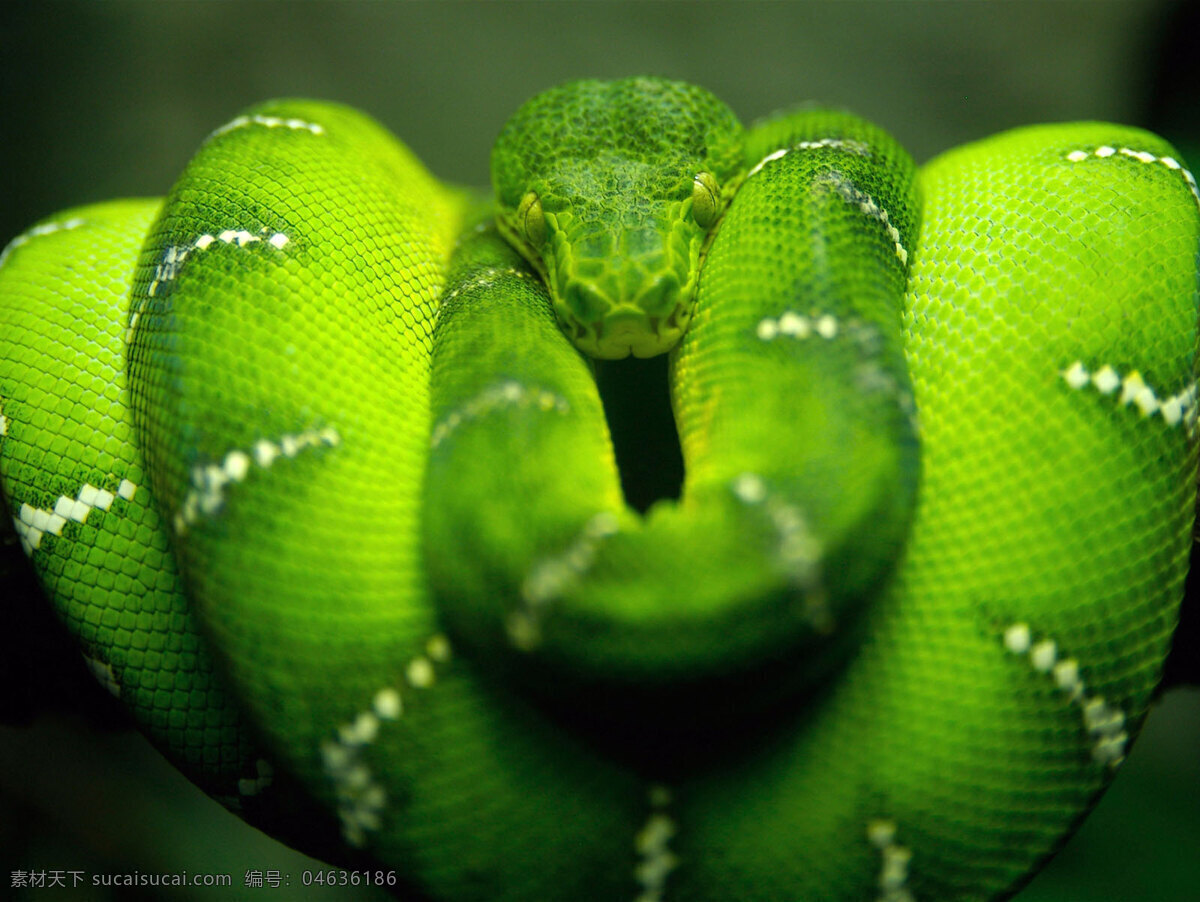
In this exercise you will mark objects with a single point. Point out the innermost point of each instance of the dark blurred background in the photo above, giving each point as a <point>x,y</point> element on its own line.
<point>108,100</point>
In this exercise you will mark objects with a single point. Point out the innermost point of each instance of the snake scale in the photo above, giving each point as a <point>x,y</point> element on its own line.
<point>311,458</point>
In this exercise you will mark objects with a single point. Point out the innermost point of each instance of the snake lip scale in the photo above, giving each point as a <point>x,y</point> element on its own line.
<point>313,458</point>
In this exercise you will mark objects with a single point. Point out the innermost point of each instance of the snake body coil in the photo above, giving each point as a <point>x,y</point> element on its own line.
<point>324,486</point>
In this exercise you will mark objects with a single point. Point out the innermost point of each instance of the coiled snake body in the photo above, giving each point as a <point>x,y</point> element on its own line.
<point>308,457</point>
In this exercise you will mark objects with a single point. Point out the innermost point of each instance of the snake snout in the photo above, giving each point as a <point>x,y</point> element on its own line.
<point>634,317</point>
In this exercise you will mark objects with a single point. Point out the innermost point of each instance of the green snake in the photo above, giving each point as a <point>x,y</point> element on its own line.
<point>311,458</point>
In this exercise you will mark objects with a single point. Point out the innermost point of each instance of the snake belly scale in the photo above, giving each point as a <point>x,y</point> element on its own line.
<point>310,457</point>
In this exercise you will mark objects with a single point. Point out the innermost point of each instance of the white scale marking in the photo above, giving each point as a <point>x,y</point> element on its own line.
<point>893,872</point>
<point>867,205</point>
<point>871,377</point>
<point>799,550</point>
<point>419,672</point>
<point>551,576</point>
<point>1174,410</point>
<point>34,522</point>
<point>361,799</point>
<point>1104,723</point>
<point>795,325</point>
<point>48,228</point>
<point>858,148</point>
<point>208,481</point>
<point>503,394</point>
<point>174,256</point>
<point>486,278</point>
<point>269,122</point>
<point>103,673</point>
<point>1105,151</point>
<point>656,861</point>
<point>167,269</point>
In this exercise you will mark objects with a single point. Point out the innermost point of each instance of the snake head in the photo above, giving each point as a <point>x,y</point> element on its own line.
<point>611,191</point>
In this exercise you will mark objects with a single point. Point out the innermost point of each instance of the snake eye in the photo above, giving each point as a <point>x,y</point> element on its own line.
<point>530,220</point>
<point>706,198</point>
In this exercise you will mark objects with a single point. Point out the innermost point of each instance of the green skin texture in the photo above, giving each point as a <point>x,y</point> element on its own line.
<point>376,534</point>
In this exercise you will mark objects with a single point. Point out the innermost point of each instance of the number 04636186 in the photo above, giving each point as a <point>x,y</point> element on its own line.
<point>338,877</point>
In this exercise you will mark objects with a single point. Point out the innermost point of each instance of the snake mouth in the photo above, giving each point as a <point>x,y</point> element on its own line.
<point>629,331</point>
<point>650,323</point>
